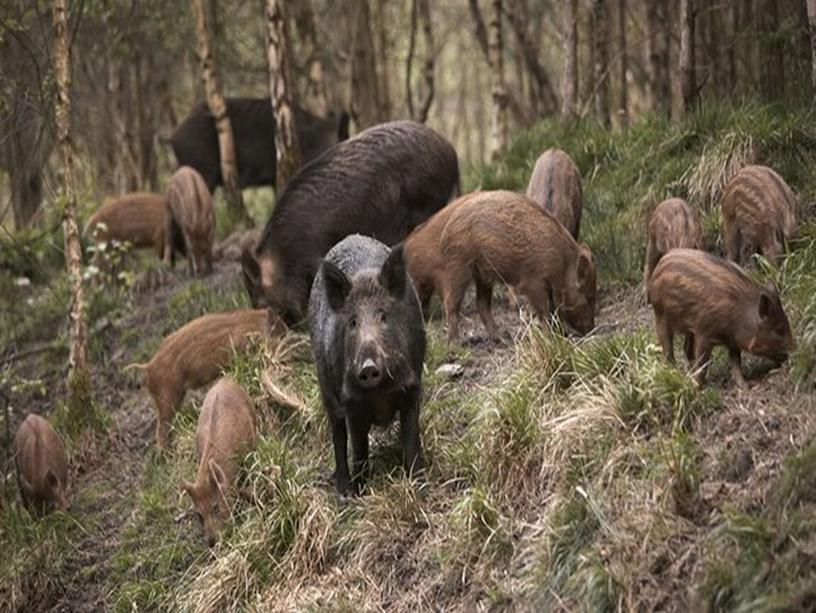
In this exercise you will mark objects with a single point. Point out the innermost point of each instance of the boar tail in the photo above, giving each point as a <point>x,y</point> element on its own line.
<point>136,365</point>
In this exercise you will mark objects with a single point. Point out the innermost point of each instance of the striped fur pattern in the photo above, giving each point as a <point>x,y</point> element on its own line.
<point>191,209</point>
<point>673,224</point>
<point>42,465</point>
<point>556,186</point>
<point>713,302</point>
<point>759,214</point>
<point>225,431</point>
<point>504,236</point>
<point>138,218</point>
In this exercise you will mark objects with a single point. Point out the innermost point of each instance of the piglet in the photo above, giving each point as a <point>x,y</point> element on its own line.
<point>42,466</point>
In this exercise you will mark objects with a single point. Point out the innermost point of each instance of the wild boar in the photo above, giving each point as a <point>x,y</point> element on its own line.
<point>759,214</point>
<point>195,140</point>
<point>42,466</point>
<point>382,183</point>
<point>139,219</point>
<point>225,431</point>
<point>368,340</point>
<point>556,186</point>
<point>191,210</point>
<point>504,236</point>
<point>194,355</point>
<point>672,224</point>
<point>713,302</point>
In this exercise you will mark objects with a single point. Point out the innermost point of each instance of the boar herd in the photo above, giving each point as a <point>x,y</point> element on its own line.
<point>361,239</point>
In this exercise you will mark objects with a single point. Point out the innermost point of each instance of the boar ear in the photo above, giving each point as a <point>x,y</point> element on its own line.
<point>392,273</point>
<point>765,306</point>
<point>584,266</point>
<point>771,287</point>
<point>338,285</point>
<point>251,273</point>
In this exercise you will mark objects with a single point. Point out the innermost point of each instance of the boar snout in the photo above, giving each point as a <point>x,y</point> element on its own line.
<point>369,374</point>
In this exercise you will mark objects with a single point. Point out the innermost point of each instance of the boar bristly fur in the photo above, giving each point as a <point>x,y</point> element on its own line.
<point>226,430</point>
<point>556,186</point>
<point>42,466</point>
<point>501,236</point>
<point>194,355</point>
<point>673,224</point>
<point>190,206</point>
<point>368,339</point>
<point>382,183</point>
<point>759,214</point>
<point>713,302</point>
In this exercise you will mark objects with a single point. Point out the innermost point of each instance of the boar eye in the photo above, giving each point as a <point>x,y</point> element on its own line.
<point>382,316</point>
<point>353,323</point>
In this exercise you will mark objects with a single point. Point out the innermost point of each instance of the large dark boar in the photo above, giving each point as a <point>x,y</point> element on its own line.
<point>191,210</point>
<point>673,224</point>
<point>713,302</point>
<point>195,141</point>
<point>556,186</point>
<point>382,183</point>
<point>368,339</point>
<point>137,218</point>
<point>504,236</point>
<point>42,466</point>
<point>226,429</point>
<point>759,214</point>
<point>195,354</point>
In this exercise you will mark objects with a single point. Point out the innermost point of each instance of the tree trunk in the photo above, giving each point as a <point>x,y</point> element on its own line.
<point>366,106</point>
<point>383,49</point>
<point>772,60</point>
<point>688,77</point>
<point>315,96</point>
<point>600,20</point>
<point>570,77</point>
<point>78,334</point>
<point>420,11</point>
<point>811,11</point>
<point>658,51</point>
<point>218,109</point>
<point>286,144</point>
<point>498,125</point>
<point>623,100</point>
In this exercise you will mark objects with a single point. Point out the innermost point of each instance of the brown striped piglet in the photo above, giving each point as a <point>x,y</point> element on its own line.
<point>504,236</point>
<point>226,430</point>
<point>556,186</point>
<point>759,214</point>
<point>713,302</point>
<point>672,224</point>
<point>195,354</point>
<point>42,466</point>
<point>191,210</point>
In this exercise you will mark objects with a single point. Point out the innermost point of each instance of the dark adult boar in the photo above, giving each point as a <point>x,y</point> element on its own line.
<point>195,141</point>
<point>226,429</point>
<point>368,339</point>
<point>759,214</point>
<point>504,236</point>
<point>382,183</point>
<point>42,466</point>
<point>139,219</point>
<point>673,224</point>
<point>713,302</point>
<point>195,354</point>
<point>191,211</point>
<point>556,186</point>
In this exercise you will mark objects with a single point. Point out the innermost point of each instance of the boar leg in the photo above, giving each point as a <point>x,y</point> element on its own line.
<point>409,433</point>
<point>340,442</point>
<point>484,298</point>
<point>689,347</point>
<point>453,295</point>
<point>733,242</point>
<point>735,355</point>
<point>702,356</point>
<point>167,403</point>
<point>665,336</point>
<point>539,297</point>
<point>359,428</point>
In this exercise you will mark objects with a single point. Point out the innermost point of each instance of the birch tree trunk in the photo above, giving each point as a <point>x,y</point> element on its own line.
<point>498,124</point>
<point>218,109</point>
<point>688,77</point>
<point>286,144</point>
<point>570,77</point>
<point>78,383</point>
<point>623,100</point>
<point>811,11</point>
<point>315,95</point>
<point>600,20</point>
